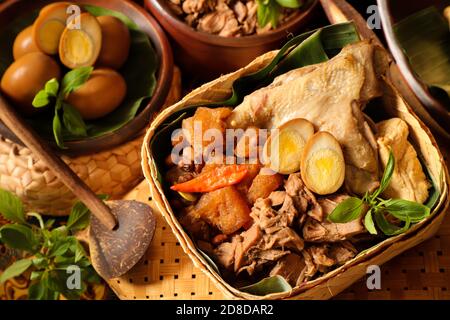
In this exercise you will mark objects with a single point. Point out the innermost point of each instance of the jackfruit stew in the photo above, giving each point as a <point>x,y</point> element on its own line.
<point>324,183</point>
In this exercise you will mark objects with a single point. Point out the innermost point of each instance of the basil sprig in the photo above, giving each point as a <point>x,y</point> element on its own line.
<point>49,251</point>
<point>55,92</point>
<point>376,209</point>
<point>268,11</point>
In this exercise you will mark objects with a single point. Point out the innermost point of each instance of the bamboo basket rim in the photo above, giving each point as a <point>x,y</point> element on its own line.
<point>189,247</point>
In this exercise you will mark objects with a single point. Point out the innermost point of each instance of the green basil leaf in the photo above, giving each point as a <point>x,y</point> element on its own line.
<point>57,281</point>
<point>57,131</point>
<point>37,291</point>
<point>79,216</point>
<point>369,224</point>
<point>269,285</point>
<point>388,228</point>
<point>268,11</point>
<point>52,87</point>
<point>80,253</point>
<point>17,268</point>
<point>41,99</point>
<point>64,261</point>
<point>11,207</point>
<point>348,210</point>
<point>36,275</point>
<point>75,79</point>
<point>60,232</point>
<point>19,237</point>
<point>387,175</point>
<point>73,121</point>
<point>407,210</point>
<point>49,223</point>
<point>40,262</point>
<point>60,247</point>
<point>90,275</point>
<point>293,4</point>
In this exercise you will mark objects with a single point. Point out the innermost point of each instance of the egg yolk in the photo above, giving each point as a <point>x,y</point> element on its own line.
<point>324,170</point>
<point>286,151</point>
<point>49,35</point>
<point>78,47</point>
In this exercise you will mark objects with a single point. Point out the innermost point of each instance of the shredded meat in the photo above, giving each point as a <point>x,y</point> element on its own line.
<point>326,231</point>
<point>226,18</point>
<point>304,200</point>
<point>292,268</point>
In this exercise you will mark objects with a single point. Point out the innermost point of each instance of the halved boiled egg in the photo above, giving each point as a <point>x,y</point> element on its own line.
<point>322,165</point>
<point>283,150</point>
<point>49,25</point>
<point>80,47</point>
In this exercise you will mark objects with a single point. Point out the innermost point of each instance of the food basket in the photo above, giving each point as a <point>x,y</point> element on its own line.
<point>330,284</point>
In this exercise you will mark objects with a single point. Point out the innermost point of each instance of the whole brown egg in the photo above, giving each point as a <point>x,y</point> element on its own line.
<point>25,77</point>
<point>24,43</point>
<point>101,94</point>
<point>115,42</point>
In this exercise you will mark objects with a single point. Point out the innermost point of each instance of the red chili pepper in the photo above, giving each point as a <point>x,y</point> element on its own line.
<point>214,179</point>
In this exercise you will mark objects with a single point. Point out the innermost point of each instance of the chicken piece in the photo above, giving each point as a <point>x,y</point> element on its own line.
<point>326,231</point>
<point>330,95</point>
<point>292,268</point>
<point>342,252</point>
<point>304,200</point>
<point>244,243</point>
<point>320,255</point>
<point>408,180</point>
<point>263,185</point>
<point>225,208</point>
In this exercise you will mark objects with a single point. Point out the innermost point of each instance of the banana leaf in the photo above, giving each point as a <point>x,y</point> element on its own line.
<point>268,285</point>
<point>139,73</point>
<point>425,39</point>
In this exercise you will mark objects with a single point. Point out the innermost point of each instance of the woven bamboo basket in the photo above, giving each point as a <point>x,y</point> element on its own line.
<point>336,281</point>
<point>113,172</point>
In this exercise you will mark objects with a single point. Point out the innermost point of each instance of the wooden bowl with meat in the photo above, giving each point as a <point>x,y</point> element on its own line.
<point>288,178</point>
<point>223,36</point>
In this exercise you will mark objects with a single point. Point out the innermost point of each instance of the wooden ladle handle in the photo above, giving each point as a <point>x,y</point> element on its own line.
<point>43,151</point>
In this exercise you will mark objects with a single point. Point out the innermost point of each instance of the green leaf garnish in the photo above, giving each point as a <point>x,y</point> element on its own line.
<point>369,224</point>
<point>293,4</point>
<point>51,87</point>
<point>57,131</point>
<point>41,99</point>
<point>75,79</point>
<point>348,210</point>
<point>387,175</point>
<point>406,210</point>
<point>73,121</point>
<point>386,227</point>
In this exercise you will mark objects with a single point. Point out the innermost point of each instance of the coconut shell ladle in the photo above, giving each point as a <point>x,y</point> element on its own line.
<point>119,233</point>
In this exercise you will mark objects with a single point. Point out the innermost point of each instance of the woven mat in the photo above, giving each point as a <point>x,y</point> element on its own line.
<point>166,272</point>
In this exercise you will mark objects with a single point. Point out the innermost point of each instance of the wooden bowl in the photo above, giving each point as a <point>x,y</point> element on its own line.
<point>209,56</point>
<point>11,10</point>
<point>391,12</point>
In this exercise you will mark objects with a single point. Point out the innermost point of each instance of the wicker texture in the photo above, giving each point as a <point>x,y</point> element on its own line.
<point>113,172</point>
